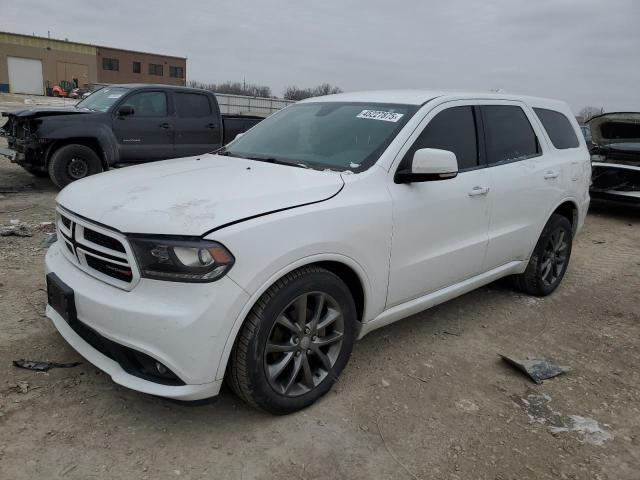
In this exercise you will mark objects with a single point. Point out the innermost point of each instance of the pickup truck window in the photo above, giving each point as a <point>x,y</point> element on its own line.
<point>335,135</point>
<point>192,105</point>
<point>148,104</point>
<point>103,99</point>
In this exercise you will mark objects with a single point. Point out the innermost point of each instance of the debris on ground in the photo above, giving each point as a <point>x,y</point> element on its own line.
<point>42,366</point>
<point>49,240</point>
<point>538,369</point>
<point>16,188</point>
<point>47,227</point>
<point>16,230</point>
<point>539,411</point>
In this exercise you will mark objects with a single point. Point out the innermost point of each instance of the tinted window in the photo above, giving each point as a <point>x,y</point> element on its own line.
<point>192,105</point>
<point>148,104</point>
<point>558,128</point>
<point>453,129</point>
<point>509,134</point>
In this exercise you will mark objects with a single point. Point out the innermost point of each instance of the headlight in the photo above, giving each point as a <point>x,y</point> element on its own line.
<point>181,260</point>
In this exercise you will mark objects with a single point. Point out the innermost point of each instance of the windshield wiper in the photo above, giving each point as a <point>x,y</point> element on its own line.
<point>276,161</point>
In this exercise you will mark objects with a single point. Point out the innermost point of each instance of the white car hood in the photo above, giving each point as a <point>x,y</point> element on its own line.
<point>190,196</point>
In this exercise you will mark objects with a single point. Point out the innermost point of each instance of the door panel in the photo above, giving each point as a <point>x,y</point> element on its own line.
<point>440,227</point>
<point>147,134</point>
<point>523,190</point>
<point>197,127</point>
<point>439,234</point>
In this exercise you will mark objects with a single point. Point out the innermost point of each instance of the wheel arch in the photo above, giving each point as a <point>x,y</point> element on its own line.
<point>568,208</point>
<point>344,267</point>
<point>89,142</point>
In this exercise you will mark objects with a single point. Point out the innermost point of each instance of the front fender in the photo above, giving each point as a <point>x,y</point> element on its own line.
<point>98,132</point>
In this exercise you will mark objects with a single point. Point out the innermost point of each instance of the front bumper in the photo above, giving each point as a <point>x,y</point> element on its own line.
<point>185,326</point>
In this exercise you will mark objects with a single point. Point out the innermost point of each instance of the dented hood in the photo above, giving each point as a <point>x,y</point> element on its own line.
<point>45,112</point>
<point>190,196</point>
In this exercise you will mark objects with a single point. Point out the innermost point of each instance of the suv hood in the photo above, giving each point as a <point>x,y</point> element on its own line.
<point>190,196</point>
<point>45,112</point>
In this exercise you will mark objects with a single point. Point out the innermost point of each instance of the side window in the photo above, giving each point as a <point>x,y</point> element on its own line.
<point>558,128</point>
<point>148,104</point>
<point>453,129</point>
<point>509,135</point>
<point>192,105</point>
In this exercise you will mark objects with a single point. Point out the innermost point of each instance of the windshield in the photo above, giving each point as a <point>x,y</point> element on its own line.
<point>335,135</point>
<point>101,100</point>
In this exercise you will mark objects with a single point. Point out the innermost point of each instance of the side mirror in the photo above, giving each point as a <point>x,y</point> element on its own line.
<point>125,111</point>
<point>429,164</point>
<point>238,136</point>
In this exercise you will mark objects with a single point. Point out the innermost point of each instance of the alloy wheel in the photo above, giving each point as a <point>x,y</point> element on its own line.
<point>304,344</point>
<point>554,257</point>
<point>78,168</point>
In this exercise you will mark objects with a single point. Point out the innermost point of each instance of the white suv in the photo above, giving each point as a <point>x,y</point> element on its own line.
<point>263,263</point>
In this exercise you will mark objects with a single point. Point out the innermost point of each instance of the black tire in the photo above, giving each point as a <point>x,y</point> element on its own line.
<point>249,373</point>
<point>73,162</point>
<point>542,278</point>
<point>37,173</point>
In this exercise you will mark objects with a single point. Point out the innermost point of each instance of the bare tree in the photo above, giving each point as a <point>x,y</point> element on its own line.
<point>234,88</point>
<point>587,113</point>
<point>295,93</point>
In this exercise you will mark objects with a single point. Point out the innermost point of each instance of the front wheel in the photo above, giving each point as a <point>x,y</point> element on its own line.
<point>73,162</point>
<point>295,342</point>
<point>549,260</point>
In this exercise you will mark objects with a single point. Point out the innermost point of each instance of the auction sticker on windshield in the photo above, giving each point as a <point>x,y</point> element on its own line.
<point>380,115</point>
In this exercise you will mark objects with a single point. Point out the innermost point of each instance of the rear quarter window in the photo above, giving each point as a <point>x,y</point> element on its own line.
<point>558,128</point>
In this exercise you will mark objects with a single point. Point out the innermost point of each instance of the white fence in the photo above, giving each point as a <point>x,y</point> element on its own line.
<point>239,104</point>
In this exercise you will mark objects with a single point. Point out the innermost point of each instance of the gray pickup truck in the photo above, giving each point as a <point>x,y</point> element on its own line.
<point>116,126</point>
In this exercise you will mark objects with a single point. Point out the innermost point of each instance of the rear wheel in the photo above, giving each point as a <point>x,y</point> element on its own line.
<point>73,162</point>
<point>295,342</point>
<point>549,260</point>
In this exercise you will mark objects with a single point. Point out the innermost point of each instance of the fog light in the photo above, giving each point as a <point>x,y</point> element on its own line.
<point>161,368</point>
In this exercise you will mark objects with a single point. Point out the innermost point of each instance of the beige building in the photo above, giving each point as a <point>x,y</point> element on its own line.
<point>30,64</point>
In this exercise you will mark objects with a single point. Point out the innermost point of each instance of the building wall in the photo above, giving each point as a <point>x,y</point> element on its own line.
<point>58,58</point>
<point>125,73</point>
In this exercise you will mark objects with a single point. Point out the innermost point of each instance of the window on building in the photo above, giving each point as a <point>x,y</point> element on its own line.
<point>110,64</point>
<point>176,72</point>
<point>453,129</point>
<point>137,67</point>
<point>155,69</point>
<point>192,105</point>
<point>148,104</point>
<point>509,135</point>
<point>558,128</point>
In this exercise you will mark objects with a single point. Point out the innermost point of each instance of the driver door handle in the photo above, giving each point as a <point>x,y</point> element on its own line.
<point>165,125</point>
<point>475,191</point>
<point>549,174</point>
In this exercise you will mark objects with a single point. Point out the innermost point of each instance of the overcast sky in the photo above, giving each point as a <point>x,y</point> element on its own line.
<point>586,52</point>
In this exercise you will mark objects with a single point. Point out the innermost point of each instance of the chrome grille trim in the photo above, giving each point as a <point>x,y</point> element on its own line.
<point>78,248</point>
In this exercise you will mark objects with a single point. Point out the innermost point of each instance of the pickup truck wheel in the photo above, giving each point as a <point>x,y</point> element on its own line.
<point>295,342</point>
<point>73,162</point>
<point>549,260</point>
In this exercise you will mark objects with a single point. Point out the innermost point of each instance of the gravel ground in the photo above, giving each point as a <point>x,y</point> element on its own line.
<point>425,398</point>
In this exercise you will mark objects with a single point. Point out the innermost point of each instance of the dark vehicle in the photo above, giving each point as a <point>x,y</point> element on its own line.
<point>116,126</point>
<point>615,156</point>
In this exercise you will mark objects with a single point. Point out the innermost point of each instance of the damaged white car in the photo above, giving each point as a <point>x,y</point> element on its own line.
<point>263,263</point>
<point>615,156</point>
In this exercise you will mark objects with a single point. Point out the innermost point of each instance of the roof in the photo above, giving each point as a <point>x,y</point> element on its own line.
<point>65,41</point>
<point>420,97</point>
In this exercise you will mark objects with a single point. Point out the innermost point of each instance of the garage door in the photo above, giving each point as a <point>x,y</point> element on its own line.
<point>25,75</point>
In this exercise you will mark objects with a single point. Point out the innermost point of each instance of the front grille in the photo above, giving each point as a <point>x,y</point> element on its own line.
<point>98,251</point>
<point>109,268</point>
<point>103,240</point>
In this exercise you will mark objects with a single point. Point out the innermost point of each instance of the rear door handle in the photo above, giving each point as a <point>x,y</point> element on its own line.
<point>548,175</point>
<point>475,191</point>
<point>211,125</point>
<point>165,125</point>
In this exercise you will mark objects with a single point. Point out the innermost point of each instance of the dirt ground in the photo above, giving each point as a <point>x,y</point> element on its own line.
<point>425,398</point>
